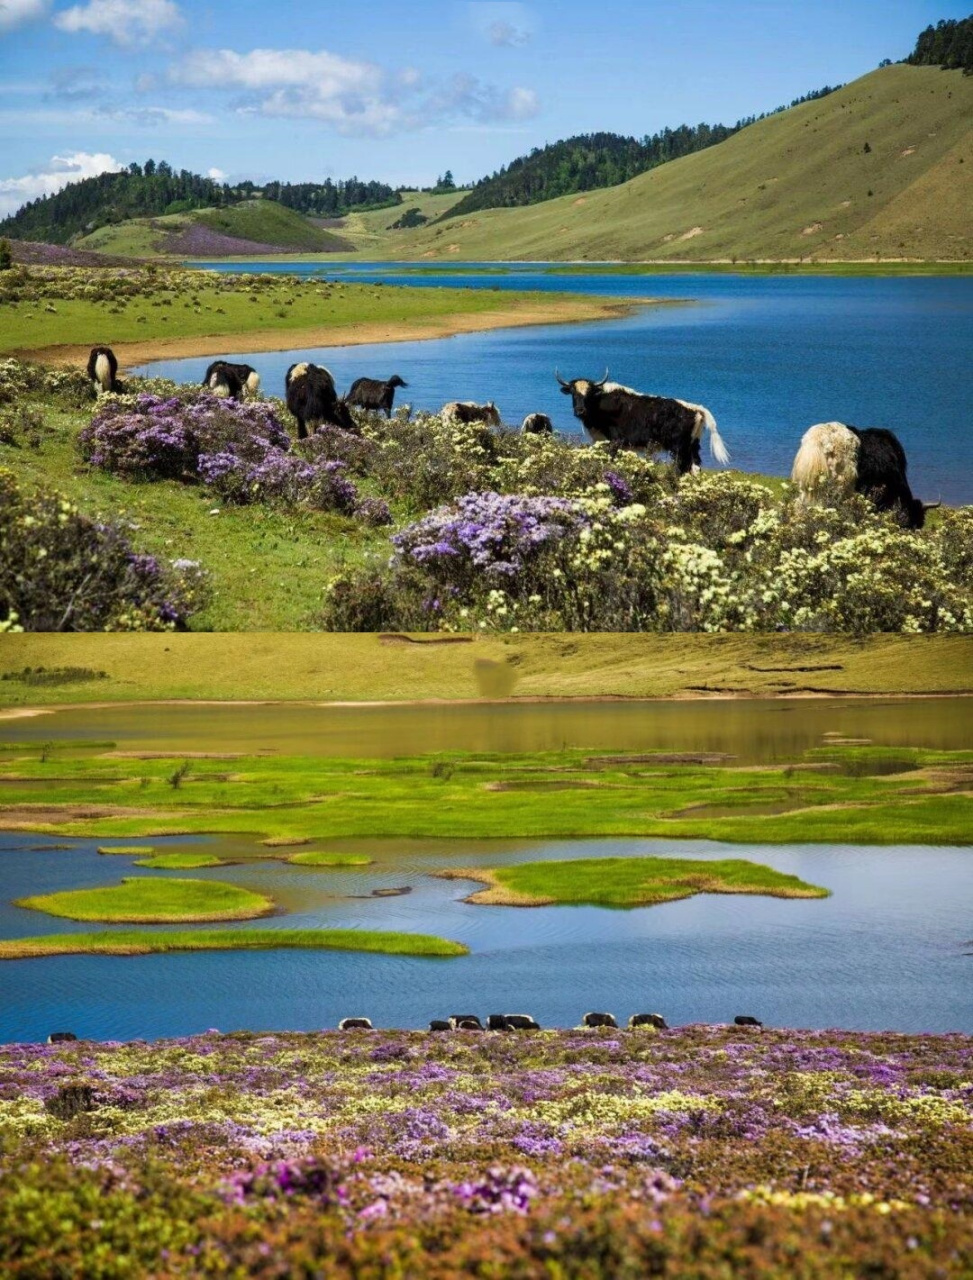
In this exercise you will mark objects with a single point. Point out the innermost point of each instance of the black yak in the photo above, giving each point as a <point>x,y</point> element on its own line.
<point>629,419</point>
<point>744,1020</point>
<point>439,1024</point>
<point>648,1020</point>
<point>465,1022</point>
<point>312,399</point>
<point>511,1022</point>
<point>61,1037</point>
<point>355,1024</point>
<point>458,411</point>
<point>226,379</point>
<point>369,393</point>
<point>870,461</point>
<point>592,1020</point>
<point>537,424</point>
<point>103,370</point>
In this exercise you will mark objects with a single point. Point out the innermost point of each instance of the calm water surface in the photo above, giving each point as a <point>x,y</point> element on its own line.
<point>768,355</point>
<point>887,950</point>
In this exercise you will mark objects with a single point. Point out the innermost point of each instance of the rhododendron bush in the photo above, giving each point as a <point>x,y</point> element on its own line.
<point>705,1151</point>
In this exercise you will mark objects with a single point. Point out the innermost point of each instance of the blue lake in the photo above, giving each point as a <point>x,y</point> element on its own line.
<point>769,355</point>
<point>891,948</point>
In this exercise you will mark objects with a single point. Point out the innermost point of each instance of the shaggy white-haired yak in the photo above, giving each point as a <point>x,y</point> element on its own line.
<point>870,461</point>
<point>468,411</point>
<point>103,370</point>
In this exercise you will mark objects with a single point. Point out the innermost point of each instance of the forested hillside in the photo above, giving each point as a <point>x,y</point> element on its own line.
<point>590,161</point>
<point>949,44</point>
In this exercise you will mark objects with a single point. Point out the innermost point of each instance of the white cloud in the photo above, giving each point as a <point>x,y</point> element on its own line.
<point>61,171</point>
<point>126,22</point>
<point>216,174</point>
<point>355,97</point>
<point>15,12</point>
<point>502,23</point>
<point>155,115</point>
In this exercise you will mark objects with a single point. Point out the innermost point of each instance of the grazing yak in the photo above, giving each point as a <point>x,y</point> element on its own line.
<point>369,393</point>
<point>744,1020</point>
<point>468,411</point>
<point>537,424</point>
<point>103,370</point>
<point>628,419</point>
<point>439,1024</point>
<point>465,1022</point>
<point>593,1020</point>
<point>870,461</point>
<point>226,379</point>
<point>311,397</point>
<point>648,1020</point>
<point>61,1037</point>
<point>355,1024</point>
<point>512,1022</point>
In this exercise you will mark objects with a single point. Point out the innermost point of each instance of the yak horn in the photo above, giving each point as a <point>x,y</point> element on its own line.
<point>604,379</point>
<point>931,506</point>
<point>557,375</point>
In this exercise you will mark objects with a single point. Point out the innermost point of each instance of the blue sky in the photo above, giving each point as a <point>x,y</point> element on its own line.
<point>400,91</point>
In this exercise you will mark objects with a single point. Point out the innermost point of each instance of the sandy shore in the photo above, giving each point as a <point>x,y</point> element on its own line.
<point>558,310</point>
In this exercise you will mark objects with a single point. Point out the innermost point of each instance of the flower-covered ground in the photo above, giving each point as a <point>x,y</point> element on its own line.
<point>702,1151</point>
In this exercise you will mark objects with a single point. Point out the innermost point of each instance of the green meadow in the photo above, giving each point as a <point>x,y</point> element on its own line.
<point>141,900</point>
<point>135,943</point>
<point>830,795</point>
<point>627,882</point>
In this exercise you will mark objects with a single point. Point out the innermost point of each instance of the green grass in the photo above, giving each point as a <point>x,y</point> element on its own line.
<point>322,667</point>
<point>127,850</point>
<point>196,305</point>
<point>134,943</point>
<point>139,900</point>
<point>629,882</point>
<point>506,796</point>
<point>329,860</point>
<point>764,192</point>
<point>180,861</point>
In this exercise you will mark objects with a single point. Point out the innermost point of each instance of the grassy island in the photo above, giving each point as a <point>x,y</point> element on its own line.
<point>136,943</point>
<point>626,882</point>
<point>329,860</point>
<point>139,900</point>
<point>181,861</point>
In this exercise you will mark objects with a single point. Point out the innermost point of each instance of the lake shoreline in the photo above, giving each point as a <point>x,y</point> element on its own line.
<point>560,310</point>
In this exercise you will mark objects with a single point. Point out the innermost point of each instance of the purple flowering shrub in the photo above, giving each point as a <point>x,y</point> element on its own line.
<point>62,571</point>
<point>240,450</point>
<point>704,1151</point>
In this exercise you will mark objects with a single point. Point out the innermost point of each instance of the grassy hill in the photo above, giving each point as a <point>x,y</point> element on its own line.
<point>255,226</point>
<point>801,184</point>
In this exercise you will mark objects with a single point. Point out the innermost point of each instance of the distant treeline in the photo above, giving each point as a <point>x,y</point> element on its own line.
<point>152,190</point>
<point>592,160</point>
<point>949,44</point>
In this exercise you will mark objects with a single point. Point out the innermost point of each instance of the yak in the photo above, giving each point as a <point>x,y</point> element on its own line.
<point>355,1024</point>
<point>512,1022</point>
<point>103,370</point>
<point>537,424</point>
<point>458,411</point>
<point>592,1020</point>
<point>61,1037</point>
<point>628,419</point>
<point>226,379</point>
<point>369,393</point>
<point>648,1020</point>
<point>744,1020</point>
<point>311,397</point>
<point>868,460</point>
<point>439,1024</point>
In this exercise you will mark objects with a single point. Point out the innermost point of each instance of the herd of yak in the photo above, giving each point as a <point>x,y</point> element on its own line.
<point>496,1022</point>
<point>870,461</point>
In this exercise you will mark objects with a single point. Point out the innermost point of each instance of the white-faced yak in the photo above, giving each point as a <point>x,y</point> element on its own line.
<point>103,370</point>
<point>468,411</point>
<point>627,419</point>
<point>226,379</point>
<point>869,461</point>
<point>369,393</point>
<point>537,424</point>
<point>311,397</point>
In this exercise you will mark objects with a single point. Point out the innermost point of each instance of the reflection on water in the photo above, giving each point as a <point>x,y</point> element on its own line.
<point>886,950</point>
<point>758,731</point>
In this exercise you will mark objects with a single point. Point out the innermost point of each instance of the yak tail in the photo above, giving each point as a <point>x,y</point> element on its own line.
<point>828,451</point>
<point>253,382</point>
<point>717,448</point>
<point>103,372</point>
